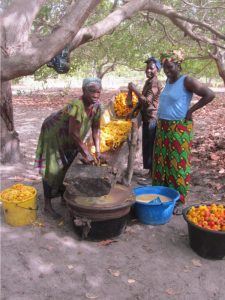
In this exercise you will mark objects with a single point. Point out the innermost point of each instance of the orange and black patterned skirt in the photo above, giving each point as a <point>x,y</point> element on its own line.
<point>172,155</point>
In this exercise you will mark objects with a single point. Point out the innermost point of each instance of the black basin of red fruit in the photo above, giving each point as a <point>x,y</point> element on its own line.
<point>205,242</point>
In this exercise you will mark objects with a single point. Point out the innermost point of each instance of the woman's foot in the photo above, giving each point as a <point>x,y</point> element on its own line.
<point>144,181</point>
<point>147,176</point>
<point>141,175</point>
<point>48,209</point>
<point>63,201</point>
<point>52,213</point>
<point>178,208</point>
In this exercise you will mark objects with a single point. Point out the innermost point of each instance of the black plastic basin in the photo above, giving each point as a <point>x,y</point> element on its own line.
<point>206,243</point>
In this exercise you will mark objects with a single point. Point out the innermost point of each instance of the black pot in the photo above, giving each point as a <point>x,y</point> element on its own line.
<point>101,230</point>
<point>206,243</point>
<point>100,218</point>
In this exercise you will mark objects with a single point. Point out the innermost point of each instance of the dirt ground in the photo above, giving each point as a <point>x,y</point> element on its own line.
<point>47,260</point>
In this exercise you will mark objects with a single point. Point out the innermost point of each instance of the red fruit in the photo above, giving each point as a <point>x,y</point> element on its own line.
<point>211,223</point>
<point>207,214</point>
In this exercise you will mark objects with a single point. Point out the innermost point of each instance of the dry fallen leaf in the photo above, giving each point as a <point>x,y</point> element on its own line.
<point>91,296</point>
<point>61,223</point>
<point>106,242</point>
<point>130,230</point>
<point>182,234</point>
<point>170,291</point>
<point>38,224</point>
<point>196,262</point>
<point>186,269</point>
<point>70,267</point>
<point>213,156</point>
<point>17,178</point>
<point>131,281</point>
<point>221,171</point>
<point>218,186</point>
<point>49,248</point>
<point>115,273</point>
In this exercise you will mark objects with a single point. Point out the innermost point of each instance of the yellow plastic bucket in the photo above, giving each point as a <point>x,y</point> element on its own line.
<point>19,211</point>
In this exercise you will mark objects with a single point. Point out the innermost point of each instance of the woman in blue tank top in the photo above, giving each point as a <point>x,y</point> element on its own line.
<point>171,166</point>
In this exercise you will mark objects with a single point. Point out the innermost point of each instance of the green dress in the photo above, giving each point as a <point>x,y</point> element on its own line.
<point>56,150</point>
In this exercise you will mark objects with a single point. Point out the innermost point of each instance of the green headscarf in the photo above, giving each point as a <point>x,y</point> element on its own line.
<point>90,81</point>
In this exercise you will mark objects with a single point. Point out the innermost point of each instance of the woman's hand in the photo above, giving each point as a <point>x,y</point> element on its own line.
<point>189,116</point>
<point>100,159</point>
<point>129,116</point>
<point>98,155</point>
<point>132,86</point>
<point>88,159</point>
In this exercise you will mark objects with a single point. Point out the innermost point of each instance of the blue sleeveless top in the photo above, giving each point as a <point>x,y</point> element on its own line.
<point>174,100</point>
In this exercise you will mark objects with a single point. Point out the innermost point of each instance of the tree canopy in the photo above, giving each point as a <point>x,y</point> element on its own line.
<point>136,38</point>
<point>144,27</point>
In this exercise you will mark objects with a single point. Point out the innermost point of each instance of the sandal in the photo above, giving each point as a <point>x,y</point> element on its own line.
<point>178,209</point>
<point>142,175</point>
<point>144,181</point>
<point>54,215</point>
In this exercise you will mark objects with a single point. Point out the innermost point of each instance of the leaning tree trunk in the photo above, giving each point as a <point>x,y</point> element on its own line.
<point>10,147</point>
<point>221,69</point>
<point>219,57</point>
<point>104,68</point>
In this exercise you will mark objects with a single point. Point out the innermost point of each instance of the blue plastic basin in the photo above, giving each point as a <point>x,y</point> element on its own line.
<point>152,213</point>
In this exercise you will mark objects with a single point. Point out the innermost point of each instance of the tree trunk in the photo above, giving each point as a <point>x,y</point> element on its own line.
<point>221,69</point>
<point>219,57</point>
<point>104,69</point>
<point>10,148</point>
<point>132,152</point>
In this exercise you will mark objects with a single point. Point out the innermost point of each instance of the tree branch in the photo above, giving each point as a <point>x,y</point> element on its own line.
<point>18,65</point>
<point>172,14</point>
<point>165,31</point>
<point>114,6</point>
<point>128,10</point>
<point>202,6</point>
<point>109,23</point>
<point>187,28</point>
<point>107,69</point>
<point>17,20</point>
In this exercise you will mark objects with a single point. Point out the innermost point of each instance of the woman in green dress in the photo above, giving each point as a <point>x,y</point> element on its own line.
<point>61,138</point>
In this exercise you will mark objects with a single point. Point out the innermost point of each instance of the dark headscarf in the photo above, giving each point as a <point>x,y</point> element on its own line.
<point>155,61</point>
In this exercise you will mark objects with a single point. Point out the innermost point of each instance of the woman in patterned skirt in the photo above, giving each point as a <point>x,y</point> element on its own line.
<point>174,133</point>
<point>61,139</point>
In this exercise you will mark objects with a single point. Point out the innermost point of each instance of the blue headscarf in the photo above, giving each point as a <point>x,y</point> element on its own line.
<point>91,80</point>
<point>155,61</point>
